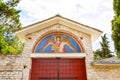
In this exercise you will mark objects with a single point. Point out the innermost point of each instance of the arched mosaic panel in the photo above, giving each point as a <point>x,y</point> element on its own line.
<point>58,43</point>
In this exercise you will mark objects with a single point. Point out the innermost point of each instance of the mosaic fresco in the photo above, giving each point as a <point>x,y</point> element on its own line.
<point>57,43</point>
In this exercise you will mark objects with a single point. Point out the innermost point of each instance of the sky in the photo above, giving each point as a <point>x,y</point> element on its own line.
<point>94,13</point>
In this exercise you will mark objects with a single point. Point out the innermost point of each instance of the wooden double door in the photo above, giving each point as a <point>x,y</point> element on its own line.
<point>58,69</point>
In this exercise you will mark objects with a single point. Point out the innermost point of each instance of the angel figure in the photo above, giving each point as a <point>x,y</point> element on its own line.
<point>58,45</point>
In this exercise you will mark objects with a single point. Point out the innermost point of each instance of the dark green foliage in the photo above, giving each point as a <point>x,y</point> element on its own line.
<point>104,52</point>
<point>97,54</point>
<point>9,22</point>
<point>116,26</point>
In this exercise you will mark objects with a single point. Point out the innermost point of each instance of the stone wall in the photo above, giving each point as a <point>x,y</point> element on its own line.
<point>16,67</point>
<point>13,67</point>
<point>105,72</point>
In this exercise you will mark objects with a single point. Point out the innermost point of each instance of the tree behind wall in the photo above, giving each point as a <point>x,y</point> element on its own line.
<point>116,26</point>
<point>9,22</point>
<point>104,52</point>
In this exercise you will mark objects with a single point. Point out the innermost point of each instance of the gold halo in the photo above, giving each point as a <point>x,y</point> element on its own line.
<point>58,35</point>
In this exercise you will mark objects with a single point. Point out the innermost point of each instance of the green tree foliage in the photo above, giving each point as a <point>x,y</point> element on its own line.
<point>104,52</point>
<point>116,26</point>
<point>9,22</point>
<point>97,54</point>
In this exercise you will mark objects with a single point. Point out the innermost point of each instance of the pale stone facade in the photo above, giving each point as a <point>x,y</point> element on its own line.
<point>13,67</point>
<point>17,67</point>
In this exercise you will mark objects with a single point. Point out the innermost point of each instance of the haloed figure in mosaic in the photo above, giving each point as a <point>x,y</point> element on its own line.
<point>58,44</point>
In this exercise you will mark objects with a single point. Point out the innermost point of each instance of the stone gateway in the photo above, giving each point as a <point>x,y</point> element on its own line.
<point>58,49</point>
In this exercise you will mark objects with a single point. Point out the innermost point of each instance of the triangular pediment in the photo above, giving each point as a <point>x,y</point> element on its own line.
<point>55,20</point>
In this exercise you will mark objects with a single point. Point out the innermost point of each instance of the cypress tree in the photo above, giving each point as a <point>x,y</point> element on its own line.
<point>116,26</point>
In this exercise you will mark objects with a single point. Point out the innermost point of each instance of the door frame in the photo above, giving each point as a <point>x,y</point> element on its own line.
<point>58,55</point>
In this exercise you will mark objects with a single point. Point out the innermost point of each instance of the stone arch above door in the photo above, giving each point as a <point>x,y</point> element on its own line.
<point>68,43</point>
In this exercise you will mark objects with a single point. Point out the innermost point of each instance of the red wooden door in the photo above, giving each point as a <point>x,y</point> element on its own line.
<point>58,69</point>
<point>44,69</point>
<point>72,69</point>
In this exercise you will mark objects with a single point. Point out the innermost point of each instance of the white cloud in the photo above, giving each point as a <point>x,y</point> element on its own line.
<point>95,13</point>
